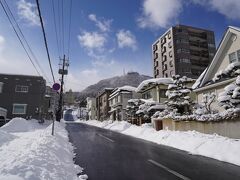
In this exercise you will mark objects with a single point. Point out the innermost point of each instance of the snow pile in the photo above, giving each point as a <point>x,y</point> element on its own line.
<point>213,146</point>
<point>33,153</point>
<point>155,81</point>
<point>17,125</point>
<point>5,137</point>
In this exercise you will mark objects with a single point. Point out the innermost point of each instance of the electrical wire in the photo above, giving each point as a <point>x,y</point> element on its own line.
<point>26,42</point>
<point>45,39</point>
<point>22,44</point>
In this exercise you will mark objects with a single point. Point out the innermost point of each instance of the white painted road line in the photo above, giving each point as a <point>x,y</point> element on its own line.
<point>106,137</point>
<point>169,170</point>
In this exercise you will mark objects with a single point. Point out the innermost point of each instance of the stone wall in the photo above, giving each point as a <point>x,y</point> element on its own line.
<point>228,128</point>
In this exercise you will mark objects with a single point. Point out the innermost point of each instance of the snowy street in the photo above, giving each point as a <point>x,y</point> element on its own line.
<point>106,154</point>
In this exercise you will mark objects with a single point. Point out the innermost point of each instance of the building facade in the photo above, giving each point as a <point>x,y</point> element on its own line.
<point>102,105</point>
<point>227,57</point>
<point>91,108</point>
<point>22,95</point>
<point>183,50</point>
<point>118,101</point>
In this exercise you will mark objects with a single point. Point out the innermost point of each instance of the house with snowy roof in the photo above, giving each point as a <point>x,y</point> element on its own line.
<point>118,101</point>
<point>154,89</point>
<point>223,69</point>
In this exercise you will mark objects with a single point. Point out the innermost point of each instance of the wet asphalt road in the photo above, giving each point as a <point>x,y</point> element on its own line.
<point>108,155</point>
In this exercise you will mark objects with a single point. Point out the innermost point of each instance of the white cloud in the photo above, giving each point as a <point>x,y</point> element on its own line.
<point>92,40</point>
<point>103,25</point>
<point>28,12</point>
<point>228,8</point>
<point>159,13</point>
<point>126,39</point>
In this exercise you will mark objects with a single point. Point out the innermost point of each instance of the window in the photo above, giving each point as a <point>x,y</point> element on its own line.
<point>155,55</point>
<point>19,108</point>
<point>171,72</point>
<point>169,35</point>
<point>211,45</point>
<point>166,75</point>
<point>170,53</point>
<point>184,60</point>
<point>232,57</point>
<point>170,44</point>
<point>162,93</point>
<point>238,55</point>
<point>163,40</point>
<point>147,95</point>
<point>1,87</point>
<point>171,63</point>
<point>20,88</point>
<point>211,54</point>
<point>165,67</point>
<point>181,50</point>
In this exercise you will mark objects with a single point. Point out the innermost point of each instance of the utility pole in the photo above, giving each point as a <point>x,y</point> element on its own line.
<point>63,70</point>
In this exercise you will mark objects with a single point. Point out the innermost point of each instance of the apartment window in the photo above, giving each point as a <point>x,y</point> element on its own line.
<point>170,53</point>
<point>165,67</point>
<point>19,108</point>
<point>171,63</point>
<point>163,40</point>
<point>171,72</point>
<point>119,98</point>
<point>211,45</point>
<point>211,54</point>
<point>232,57</point>
<point>155,47</point>
<point>157,72</point>
<point>184,60</point>
<point>20,88</point>
<point>1,87</point>
<point>182,50</point>
<point>169,35</point>
<point>155,55</point>
<point>166,75</point>
<point>164,58</point>
<point>163,49</point>
<point>170,44</point>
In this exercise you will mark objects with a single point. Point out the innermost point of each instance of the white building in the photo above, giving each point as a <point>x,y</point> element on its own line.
<point>118,101</point>
<point>91,108</point>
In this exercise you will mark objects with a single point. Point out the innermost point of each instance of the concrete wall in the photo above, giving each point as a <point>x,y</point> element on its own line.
<point>228,128</point>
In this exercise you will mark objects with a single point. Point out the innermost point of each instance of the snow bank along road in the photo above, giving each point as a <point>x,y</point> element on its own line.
<point>28,151</point>
<point>108,155</point>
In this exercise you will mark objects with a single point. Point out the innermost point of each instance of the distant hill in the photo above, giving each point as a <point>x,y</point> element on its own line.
<point>131,79</point>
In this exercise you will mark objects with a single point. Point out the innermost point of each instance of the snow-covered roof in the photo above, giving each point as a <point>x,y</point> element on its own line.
<point>157,107</point>
<point>122,89</point>
<point>228,34</point>
<point>154,81</point>
<point>198,81</point>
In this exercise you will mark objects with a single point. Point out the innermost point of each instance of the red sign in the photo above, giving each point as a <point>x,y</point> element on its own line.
<point>56,86</point>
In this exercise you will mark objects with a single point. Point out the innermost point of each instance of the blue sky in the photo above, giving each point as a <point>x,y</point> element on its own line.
<point>107,37</point>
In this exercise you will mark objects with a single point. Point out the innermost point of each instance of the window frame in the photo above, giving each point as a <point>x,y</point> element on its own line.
<point>17,104</point>
<point>22,90</point>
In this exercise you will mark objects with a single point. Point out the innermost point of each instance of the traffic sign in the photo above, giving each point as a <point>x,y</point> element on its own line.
<point>56,86</point>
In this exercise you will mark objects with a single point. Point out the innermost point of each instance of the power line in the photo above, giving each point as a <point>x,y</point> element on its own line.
<point>45,39</point>
<point>9,19</point>
<point>69,29</point>
<point>26,42</point>
<point>55,27</point>
<point>63,40</point>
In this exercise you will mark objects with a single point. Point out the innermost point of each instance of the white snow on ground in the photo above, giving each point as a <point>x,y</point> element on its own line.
<point>28,151</point>
<point>213,146</point>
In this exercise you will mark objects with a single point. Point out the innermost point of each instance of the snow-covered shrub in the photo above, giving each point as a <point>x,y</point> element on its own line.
<point>232,70</point>
<point>133,107</point>
<point>230,97</point>
<point>205,106</point>
<point>178,94</point>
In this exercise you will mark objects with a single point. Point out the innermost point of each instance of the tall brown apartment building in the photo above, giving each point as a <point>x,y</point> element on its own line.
<point>183,50</point>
